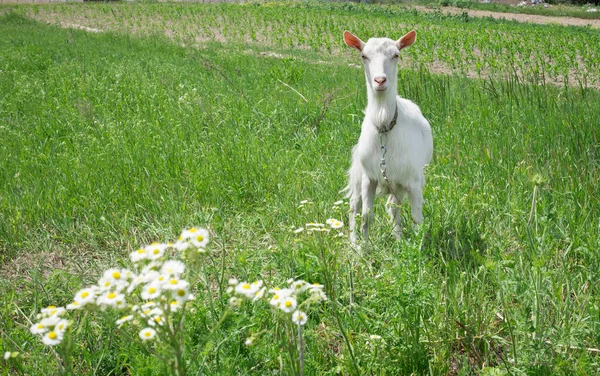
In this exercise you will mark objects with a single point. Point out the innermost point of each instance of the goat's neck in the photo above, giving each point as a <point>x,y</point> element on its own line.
<point>381,107</point>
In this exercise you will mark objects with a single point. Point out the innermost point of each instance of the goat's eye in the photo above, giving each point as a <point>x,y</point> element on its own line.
<point>364,57</point>
<point>395,56</point>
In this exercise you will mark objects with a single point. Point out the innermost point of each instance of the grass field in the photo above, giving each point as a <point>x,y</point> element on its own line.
<point>229,116</point>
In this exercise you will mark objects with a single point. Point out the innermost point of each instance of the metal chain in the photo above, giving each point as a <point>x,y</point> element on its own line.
<point>382,142</point>
<point>382,164</point>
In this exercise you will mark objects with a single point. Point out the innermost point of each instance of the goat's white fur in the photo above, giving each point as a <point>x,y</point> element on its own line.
<point>409,143</point>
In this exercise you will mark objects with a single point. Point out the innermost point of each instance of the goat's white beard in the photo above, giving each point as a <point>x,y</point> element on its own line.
<point>381,106</point>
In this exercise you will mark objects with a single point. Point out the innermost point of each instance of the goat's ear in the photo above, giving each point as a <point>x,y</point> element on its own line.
<point>353,41</point>
<point>407,40</point>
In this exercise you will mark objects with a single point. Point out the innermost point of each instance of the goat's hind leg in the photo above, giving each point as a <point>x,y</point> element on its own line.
<point>355,207</point>
<point>416,204</point>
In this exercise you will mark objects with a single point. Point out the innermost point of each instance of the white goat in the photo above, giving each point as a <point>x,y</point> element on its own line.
<point>395,142</point>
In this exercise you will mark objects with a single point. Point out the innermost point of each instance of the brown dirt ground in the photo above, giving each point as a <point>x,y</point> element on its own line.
<point>520,17</point>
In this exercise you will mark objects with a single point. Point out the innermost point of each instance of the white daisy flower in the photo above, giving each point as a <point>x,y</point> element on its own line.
<point>299,317</point>
<point>139,255</point>
<point>38,328</point>
<point>50,322</point>
<point>72,306</point>
<point>174,284</point>
<point>232,282</point>
<point>156,320</point>
<point>298,230</point>
<point>123,320</point>
<point>318,294</point>
<point>182,295</point>
<point>298,286</point>
<point>151,291</point>
<point>247,289</point>
<point>52,311</point>
<point>181,245</point>
<point>276,300</point>
<point>7,355</point>
<point>173,267</point>
<point>235,302</point>
<point>156,250</point>
<point>288,304</point>
<point>175,306</point>
<point>147,334</point>
<point>110,299</point>
<point>337,224</point>
<point>52,338</point>
<point>259,294</point>
<point>61,326</point>
<point>198,237</point>
<point>85,296</point>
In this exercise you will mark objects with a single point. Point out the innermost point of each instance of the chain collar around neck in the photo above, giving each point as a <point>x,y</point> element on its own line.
<point>391,125</point>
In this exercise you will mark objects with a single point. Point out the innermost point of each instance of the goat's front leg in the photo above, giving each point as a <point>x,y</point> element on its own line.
<point>393,206</point>
<point>368,189</point>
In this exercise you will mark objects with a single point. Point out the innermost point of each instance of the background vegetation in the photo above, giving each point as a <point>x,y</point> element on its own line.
<point>228,116</point>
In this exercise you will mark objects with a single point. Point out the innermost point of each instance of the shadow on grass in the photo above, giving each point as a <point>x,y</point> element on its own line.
<point>456,240</point>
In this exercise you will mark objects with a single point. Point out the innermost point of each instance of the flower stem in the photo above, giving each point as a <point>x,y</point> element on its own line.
<point>300,351</point>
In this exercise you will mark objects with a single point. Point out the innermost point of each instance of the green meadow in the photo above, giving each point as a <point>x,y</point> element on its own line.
<point>240,118</point>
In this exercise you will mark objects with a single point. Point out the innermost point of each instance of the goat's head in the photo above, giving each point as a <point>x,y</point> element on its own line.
<point>380,56</point>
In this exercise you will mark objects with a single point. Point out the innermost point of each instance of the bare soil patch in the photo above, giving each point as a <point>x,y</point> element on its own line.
<point>519,17</point>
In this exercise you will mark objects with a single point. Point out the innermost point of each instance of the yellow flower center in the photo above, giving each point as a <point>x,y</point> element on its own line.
<point>173,281</point>
<point>181,292</point>
<point>116,275</point>
<point>199,238</point>
<point>156,251</point>
<point>152,290</point>
<point>148,334</point>
<point>40,326</point>
<point>112,295</point>
<point>288,303</point>
<point>85,294</point>
<point>141,251</point>
<point>246,286</point>
<point>193,229</point>
<point>276,297</point>
<point>158,319</point>
<point>52,335</point>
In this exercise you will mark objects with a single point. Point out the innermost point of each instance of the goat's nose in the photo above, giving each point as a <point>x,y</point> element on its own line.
<point>380,80</point>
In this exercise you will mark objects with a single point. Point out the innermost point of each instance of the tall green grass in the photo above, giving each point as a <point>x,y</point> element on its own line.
<point>111,141</point>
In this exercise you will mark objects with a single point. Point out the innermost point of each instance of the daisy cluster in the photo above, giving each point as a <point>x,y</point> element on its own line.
<point>330,224</point>
<point>286,300</point>
<point>147,294</point>
<point>51,325</point>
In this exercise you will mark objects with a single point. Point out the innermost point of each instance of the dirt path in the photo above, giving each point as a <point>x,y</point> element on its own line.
<point>520,17</point>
